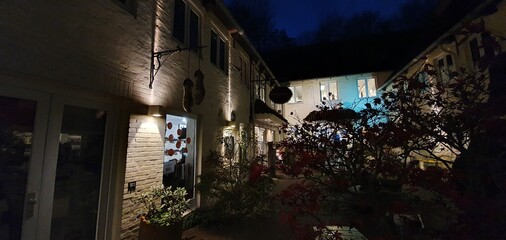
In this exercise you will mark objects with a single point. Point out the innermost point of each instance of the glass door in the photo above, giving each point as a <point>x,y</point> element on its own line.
<point>23,120</point>
<point>78,173</point>
<point>52,152</point>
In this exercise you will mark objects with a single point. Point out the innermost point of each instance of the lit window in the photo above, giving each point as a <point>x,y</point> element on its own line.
<point>296,94</point>
<point>219,52</point>
<point>186,25</point>
<point>367,88</point>
<point>328,91</point>
<point>445,67</point>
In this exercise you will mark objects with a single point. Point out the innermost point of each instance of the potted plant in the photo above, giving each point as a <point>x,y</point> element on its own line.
<point>162,213</point>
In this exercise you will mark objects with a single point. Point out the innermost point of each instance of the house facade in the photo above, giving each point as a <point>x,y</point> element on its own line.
<point>345,73</point>
<point>349,91</point>
<point>474,37</point>
<point>103,99</point>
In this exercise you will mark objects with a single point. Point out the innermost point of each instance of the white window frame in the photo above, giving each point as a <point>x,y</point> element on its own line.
<point>295,98</point>
<point>327,86</point>
<point>367,88</point>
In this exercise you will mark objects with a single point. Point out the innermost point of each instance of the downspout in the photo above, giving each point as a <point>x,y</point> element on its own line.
<point>153,36</point>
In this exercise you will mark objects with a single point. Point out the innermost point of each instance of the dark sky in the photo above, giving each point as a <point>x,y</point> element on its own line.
<point>299,16</point>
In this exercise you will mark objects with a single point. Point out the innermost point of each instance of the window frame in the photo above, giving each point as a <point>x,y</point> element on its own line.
<point>295,99</point>
<point>444,67</point>
<point>183,26</point>
<point>367,87</point>
<point>327,86</point>
<point>219,51</point>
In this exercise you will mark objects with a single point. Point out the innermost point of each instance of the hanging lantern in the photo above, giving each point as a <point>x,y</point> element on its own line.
<point>280,95</point>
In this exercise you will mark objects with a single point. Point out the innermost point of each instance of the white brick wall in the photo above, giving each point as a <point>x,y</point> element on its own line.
<point>96,47</point>
<point>144,165</point>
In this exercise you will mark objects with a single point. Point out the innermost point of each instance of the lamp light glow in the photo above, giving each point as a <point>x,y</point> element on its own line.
<point>155,110</point>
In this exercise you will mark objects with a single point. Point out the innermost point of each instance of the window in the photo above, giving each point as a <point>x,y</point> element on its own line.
<point>260,88</point>
<point>328,91</point>
<point>128,5</point>
<point>244,72</point>
<point>445,67</point>
<point>296,94</point>
<point>186,30</point>
<point>367,88</point>
<point>219,52</point>
<point>194,31</point>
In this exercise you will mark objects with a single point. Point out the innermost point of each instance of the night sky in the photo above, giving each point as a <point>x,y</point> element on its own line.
<point>299,16</point>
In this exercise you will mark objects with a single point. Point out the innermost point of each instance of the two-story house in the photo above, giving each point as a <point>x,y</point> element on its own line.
<point>100,98</point>
<point>469,32</point>
<point>346,73</point>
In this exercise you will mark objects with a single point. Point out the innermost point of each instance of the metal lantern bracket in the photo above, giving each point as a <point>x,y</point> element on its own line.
<point>156,65</point>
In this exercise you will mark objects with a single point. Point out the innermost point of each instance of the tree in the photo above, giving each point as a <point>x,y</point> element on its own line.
<point>256,18</point>
<point>362,169</point>
<point>414,14</point>
<point>411,14</point>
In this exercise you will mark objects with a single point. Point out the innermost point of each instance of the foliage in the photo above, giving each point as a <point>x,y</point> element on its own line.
<point>163,206</point>
<point>412,14</point>
<point>233,185</point>
<point>235,190</point>
<point>362,170</point>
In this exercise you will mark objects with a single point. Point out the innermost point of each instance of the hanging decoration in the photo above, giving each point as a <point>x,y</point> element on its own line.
<point>170,152</point>
<point>187,90</point>
<point>200,91</point>
<point>187,95</point>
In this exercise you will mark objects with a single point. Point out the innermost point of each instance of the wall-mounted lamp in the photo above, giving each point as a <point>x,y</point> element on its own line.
<point>155,110</point>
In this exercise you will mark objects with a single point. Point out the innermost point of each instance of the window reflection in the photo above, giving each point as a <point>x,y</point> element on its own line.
<point>16,130</point>
<point>79,167</point>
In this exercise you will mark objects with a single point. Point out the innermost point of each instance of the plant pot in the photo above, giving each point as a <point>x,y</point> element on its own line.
<point>153,232</point>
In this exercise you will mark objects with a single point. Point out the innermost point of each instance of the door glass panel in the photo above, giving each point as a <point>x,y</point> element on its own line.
<point>16,130</point>
<point>179,158</point>
<point>79,167</point>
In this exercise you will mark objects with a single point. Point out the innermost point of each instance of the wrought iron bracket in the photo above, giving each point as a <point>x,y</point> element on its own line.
<point>157,62</point>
